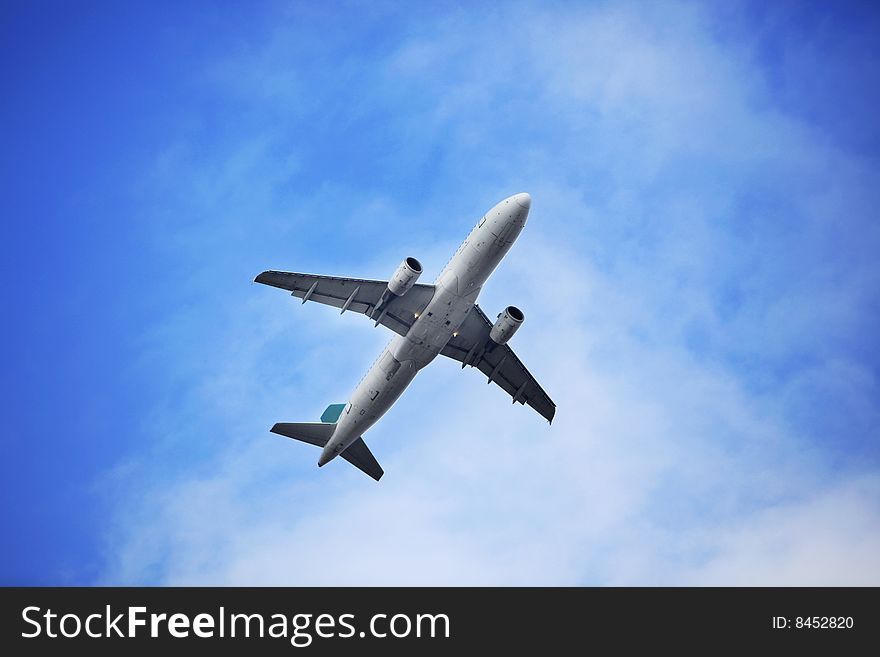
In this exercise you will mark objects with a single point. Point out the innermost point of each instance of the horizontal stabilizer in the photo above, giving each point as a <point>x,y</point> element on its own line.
<point>318,433</point>
<point>360,456</point>
<point>313,433</point>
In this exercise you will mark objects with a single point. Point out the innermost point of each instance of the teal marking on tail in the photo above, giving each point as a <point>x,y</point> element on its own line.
<point>332,413</point>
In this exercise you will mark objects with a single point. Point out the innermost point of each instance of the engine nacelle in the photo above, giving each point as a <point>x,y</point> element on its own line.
<point>506,325</point>
<point>405,276</point>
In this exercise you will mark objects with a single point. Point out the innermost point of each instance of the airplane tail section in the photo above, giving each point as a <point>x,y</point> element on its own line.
<point>318,433</point>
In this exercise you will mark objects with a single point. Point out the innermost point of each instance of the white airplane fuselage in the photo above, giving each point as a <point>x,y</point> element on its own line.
<point>457,288</point>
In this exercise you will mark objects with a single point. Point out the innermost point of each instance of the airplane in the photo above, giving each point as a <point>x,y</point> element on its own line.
<point>442,318</point>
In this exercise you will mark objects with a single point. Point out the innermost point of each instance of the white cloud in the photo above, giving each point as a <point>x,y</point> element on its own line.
<point>830,539</point>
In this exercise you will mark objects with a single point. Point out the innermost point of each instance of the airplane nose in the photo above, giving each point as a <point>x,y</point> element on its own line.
<point>523,200</point>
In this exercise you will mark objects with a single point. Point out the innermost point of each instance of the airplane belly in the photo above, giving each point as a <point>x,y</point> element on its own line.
<point>375,394</point>
<point>436,325</point>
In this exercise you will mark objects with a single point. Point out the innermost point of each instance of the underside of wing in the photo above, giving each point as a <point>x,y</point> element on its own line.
<point>472,346</point>
<point>358,294</point>
<point>360,456</point>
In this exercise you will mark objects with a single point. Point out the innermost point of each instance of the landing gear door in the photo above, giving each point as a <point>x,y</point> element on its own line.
<point>389,365</point>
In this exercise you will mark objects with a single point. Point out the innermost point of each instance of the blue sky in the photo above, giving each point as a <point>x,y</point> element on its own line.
<point>699,275</point>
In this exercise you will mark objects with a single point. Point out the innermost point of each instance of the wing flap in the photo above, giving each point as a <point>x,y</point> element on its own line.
<point>499,363</point>
<point>356,294</point>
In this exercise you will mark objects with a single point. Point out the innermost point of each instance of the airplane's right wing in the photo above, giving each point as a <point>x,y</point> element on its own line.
<point>498,362</point>
<point>357,294</point>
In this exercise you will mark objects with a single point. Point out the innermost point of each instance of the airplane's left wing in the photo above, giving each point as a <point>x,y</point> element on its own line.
<point>357,294</point>
<point>472,347</point>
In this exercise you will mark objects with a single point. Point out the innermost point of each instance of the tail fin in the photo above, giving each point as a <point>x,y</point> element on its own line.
<point>332,413</point>
<point>318,433</point>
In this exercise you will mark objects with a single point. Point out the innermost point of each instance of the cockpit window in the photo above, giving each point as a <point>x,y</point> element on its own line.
<point>482,221</point>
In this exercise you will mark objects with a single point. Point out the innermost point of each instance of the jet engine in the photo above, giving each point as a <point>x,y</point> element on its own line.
<point>405,276</point>
<point>506,325</point>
